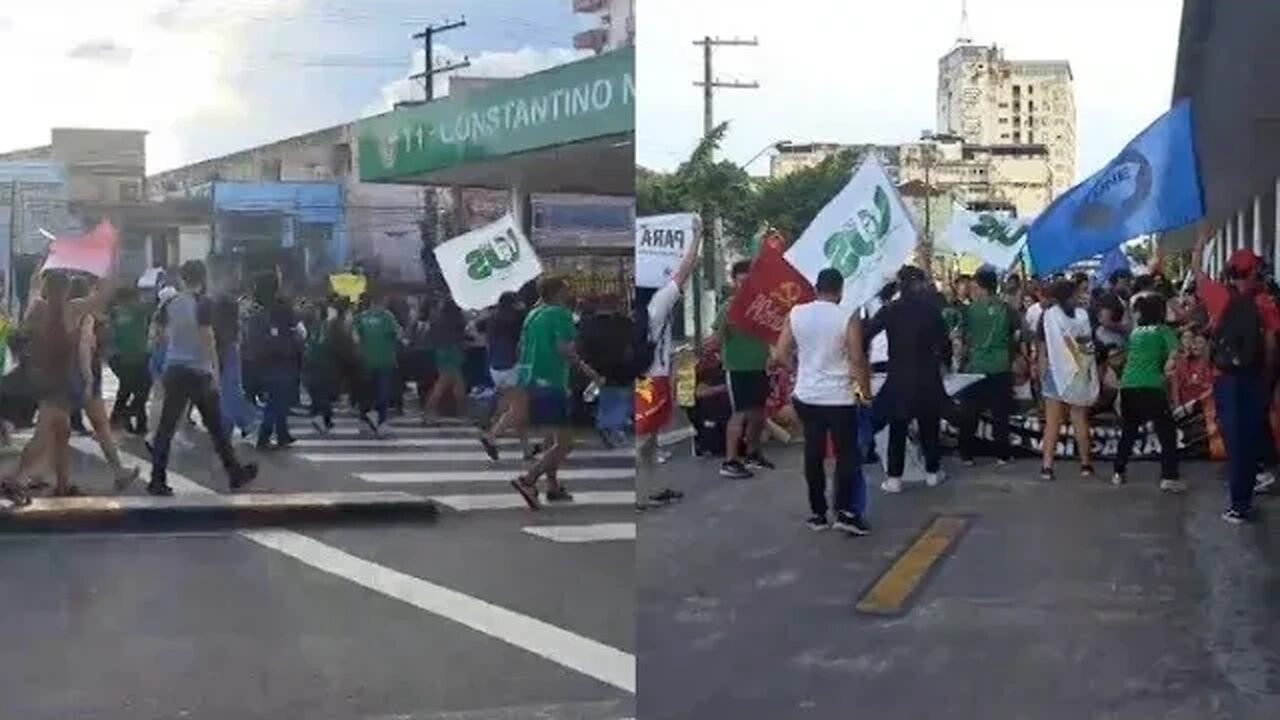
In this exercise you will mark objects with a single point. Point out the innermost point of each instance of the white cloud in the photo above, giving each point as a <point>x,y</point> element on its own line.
<point>834,70</point>
<point>487,65</point>
<point>160,78</point>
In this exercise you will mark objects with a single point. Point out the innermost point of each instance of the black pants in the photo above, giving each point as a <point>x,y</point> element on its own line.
<point>993,393</point>
<point>132,395</point>
<point>928,424</point>
<point>840,423</point>
<point>1139,406</point>
<point>184,387</point>
<point>322,382</point>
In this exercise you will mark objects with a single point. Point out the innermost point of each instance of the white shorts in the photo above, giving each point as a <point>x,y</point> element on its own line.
<point>503,379</point>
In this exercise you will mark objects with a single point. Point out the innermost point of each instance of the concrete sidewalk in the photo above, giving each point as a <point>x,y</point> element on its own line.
<point>1065,600</point>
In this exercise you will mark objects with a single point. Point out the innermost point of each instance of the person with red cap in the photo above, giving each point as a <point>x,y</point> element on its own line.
<point>1243,323</point>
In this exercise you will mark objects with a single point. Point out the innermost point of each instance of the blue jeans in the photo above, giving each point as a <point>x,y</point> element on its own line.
<point>377,396</point>
<point>615,407</point>
<point>279,386</point>
<point>236,410</point>
<point>1241,406</point>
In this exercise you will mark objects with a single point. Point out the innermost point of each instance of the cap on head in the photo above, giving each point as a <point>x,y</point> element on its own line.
<point>1244,263</point>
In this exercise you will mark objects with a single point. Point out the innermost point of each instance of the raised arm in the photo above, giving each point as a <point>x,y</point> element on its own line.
<point>689,262</point>
<point>859,368</point>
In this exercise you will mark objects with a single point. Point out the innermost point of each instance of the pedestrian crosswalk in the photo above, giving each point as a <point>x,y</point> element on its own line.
<point>446,463</point>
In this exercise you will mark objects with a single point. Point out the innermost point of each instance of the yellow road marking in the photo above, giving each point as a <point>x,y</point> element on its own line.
<point>895,587</point>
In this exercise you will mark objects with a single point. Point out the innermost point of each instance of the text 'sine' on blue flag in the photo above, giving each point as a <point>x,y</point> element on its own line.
<point>1153,185</point>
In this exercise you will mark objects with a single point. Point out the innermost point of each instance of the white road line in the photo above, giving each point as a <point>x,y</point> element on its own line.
<point>446,456</point>
<point>589,657</point>
<point>582,654</point>
<point>462,476</point>
<point>512,501</point>
<point>313,441</point>
<point>461,433</point>
<point>675,436</point>
<point>598,532</point>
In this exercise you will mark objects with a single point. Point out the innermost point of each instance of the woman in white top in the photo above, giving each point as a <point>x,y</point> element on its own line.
<point>1068,375</point>
<point>832,380</point>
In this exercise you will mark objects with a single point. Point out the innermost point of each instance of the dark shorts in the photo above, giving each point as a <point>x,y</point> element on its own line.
<point>748,390</point>
<point>548,407</point>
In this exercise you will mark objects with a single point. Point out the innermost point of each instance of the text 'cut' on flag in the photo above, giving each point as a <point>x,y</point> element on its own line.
<point>481,265</point>
<point>992,237</point>
<point>1153,185</point>
<point>865,232</point>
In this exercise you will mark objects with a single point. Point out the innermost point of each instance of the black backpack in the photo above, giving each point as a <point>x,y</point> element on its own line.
<point>1236,344</point>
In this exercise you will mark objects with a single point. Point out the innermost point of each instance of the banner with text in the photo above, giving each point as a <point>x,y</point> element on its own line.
<point>865,232</point>
<point>661,241</point>
<point>481,265</point>
<point>771,289</point>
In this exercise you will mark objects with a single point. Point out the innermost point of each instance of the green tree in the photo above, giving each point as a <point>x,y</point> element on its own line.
<point>789,203</point>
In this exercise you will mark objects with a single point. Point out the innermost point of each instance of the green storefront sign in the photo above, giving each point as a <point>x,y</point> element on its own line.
<point>571,103</point>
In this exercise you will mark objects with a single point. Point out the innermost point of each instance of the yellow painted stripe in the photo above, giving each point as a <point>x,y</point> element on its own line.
<point>895,587</point>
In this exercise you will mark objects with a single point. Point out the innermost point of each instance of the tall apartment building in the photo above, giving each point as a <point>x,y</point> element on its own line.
<point>617,27</point>
<point>1016,177</point>
<point>989,100</point>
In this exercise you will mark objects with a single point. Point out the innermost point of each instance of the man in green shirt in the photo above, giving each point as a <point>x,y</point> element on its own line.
<point>745,359</point>
<point>129,323</point>
<point>989,330</point>
<point>378,337</point>
<point>546,354</point>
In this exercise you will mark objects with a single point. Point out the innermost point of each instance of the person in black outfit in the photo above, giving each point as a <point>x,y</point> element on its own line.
<point>918,349</point>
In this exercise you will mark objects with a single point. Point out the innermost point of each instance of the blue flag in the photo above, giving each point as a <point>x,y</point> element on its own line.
<point>1151,186</point>
<point>1111,262</point>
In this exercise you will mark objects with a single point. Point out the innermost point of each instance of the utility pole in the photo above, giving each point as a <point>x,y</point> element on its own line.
<point>429,69</point>
<point>710,224</point>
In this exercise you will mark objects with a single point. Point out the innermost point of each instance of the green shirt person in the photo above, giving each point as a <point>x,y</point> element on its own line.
<point>989,330</point>
<point>1151,347</point>
<point>378,335</point>
<point>130,324</point>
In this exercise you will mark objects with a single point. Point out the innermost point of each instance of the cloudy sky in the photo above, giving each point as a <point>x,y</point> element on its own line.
<point>209,77</point>
<point>866,70</point>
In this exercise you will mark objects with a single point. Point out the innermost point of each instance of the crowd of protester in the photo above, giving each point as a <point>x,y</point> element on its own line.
<point>1076,350</point>
<point>247,361</point>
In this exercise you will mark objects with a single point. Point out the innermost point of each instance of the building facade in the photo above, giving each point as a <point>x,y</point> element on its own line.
<point>617,28</point>
<point>987,99</point>
<point>300,200</point>
<point>981,176</point>
<point>790,157</point>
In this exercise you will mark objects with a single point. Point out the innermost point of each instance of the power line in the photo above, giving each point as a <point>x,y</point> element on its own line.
<point>429,71</point>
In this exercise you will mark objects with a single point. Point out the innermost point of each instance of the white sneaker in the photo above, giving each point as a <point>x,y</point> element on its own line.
<point>1263,481</point>
<point>382,431</point>
<point>892,485</point>
<point>935,479</point>
<point>1173,486</point>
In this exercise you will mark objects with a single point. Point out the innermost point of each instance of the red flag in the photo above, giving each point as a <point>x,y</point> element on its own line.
<point>92,252</point>
<point>771,289</point>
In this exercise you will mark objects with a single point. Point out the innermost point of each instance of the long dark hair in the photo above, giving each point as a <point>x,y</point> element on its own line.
<point>1063,294</point>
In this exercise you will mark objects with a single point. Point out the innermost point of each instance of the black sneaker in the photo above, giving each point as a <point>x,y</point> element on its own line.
<point>666,496</point>
<point>1046,473</point>
<point>735,470</point>
<point>818,523</point>
<point>1235,517</point>
<point>248,473</point>
<point>852,523</point>
<point>559,495</point>
<point>159,489</point>
<point>489,448</point>
<point>528,491</point>
<point>756,461</point>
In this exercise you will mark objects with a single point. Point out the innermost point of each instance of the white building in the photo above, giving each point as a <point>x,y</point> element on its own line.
<point>790,157</point>
<point>617,27</point>
<point>1015,177</point>
<point>989,100</point>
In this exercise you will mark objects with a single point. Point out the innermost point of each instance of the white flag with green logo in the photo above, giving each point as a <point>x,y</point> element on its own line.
<point>482,264</point>
<point>865,232</point>
<point>992,237</point>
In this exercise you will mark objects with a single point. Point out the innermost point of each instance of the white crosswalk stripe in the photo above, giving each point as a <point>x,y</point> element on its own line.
<point>444,456</point>
<point>488,476</point>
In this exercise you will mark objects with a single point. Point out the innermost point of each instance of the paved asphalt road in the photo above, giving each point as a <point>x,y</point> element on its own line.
<point>1063,601</point>
<point>489,613</point>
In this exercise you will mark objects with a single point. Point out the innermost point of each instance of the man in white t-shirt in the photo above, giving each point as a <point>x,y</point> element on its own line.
<point>655,395</point>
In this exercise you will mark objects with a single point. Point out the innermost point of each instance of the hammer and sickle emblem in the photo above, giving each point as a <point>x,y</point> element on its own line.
<point>787,292</point>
